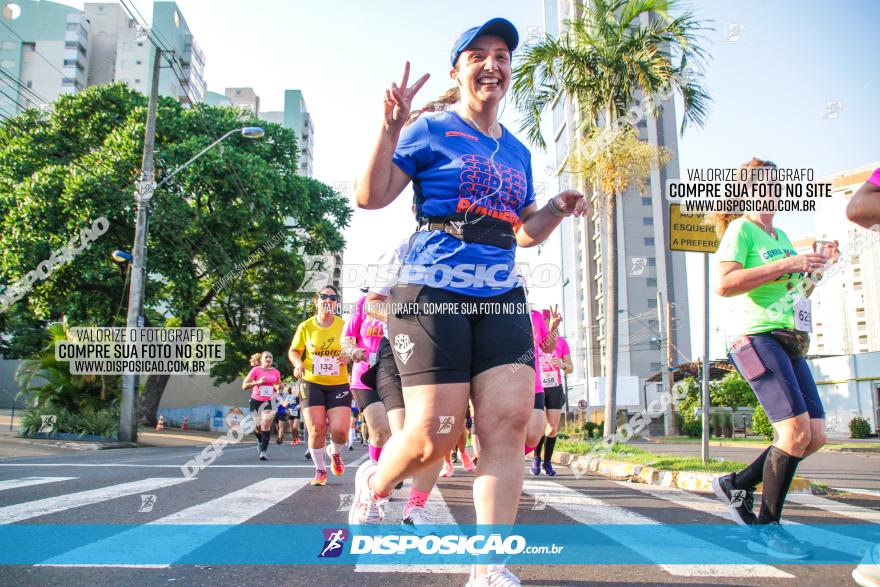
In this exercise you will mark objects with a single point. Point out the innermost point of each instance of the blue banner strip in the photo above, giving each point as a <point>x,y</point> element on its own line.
<point>557,544</point>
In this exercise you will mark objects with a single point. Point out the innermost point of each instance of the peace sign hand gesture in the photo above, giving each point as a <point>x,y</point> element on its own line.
<point>555,317</point>
<point>398,99</point>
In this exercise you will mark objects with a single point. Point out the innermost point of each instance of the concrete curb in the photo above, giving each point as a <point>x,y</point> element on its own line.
<point>623,471</point>
<point>80,445</point>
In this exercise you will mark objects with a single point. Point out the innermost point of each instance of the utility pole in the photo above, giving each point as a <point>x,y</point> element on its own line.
<point>670,365</point>
<point>135,319</point>
<point>666,359</point>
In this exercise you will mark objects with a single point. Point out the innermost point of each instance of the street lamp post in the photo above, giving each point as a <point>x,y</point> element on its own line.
<point>146,188</point>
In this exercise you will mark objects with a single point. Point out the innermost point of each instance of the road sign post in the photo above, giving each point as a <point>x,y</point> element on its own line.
<point>689,233</point>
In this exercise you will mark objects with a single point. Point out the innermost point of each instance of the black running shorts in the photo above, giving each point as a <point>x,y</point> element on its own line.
<point>329,396</point>
<point>439,336</point>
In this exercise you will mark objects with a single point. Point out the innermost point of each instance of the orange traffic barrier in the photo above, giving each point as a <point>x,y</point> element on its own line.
<point>160,425</point>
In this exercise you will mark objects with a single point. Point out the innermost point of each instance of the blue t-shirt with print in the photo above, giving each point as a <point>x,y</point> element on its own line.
<point>453,171</point>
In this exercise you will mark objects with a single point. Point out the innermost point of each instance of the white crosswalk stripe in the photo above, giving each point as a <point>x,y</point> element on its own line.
<point>603,516</point>
<point>716,508</point>
<point>836,507</point>
<point>239,506</point>
<point>439,512</point>
<point>230,509</point>
<point>28,481</point>
<point>41,507</point>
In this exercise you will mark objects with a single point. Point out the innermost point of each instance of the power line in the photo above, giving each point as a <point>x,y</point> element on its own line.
<point>162,45</point>
<point>34,49</point>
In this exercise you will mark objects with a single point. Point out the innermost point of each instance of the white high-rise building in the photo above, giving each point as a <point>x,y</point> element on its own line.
<point>296,117</point>
<point>245,98</point>
<point>644,258</point>
<point>48,49</point>
<point>44,53</point>
<point>846,306</point>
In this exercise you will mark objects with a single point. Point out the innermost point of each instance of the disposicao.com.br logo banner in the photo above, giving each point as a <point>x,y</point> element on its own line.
<point>557,544</point>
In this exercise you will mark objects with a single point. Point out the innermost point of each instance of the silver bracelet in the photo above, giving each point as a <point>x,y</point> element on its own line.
<point>554,209</point>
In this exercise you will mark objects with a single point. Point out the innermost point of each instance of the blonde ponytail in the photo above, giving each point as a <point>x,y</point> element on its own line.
<point>448,99</point>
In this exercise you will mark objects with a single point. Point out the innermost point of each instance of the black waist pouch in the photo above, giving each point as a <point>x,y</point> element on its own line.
<point>495,235</point>
<point>795,342</point>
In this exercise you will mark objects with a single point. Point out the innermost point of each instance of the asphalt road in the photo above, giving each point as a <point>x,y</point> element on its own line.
<point>89,488</point>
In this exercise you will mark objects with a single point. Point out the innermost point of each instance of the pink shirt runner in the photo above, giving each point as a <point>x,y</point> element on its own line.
<point>367,332</point>
<point>264,391</point>
<point>875,177</point>
<point>560,351</point>
<point>539,333</point>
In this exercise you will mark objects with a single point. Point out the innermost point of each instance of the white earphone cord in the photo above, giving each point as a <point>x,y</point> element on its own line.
<point>492,166</point>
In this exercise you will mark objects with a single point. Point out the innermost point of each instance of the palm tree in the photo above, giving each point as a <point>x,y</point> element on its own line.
<point>614,52</point>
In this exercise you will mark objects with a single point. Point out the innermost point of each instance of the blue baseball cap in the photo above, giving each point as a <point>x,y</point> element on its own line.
<point>497,26</point>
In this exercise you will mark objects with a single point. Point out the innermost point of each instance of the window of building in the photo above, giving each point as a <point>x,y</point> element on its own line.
<point>652,262</point>
<point>7,64</point>
<point>860,312</point>
<point>863,339</point>
<point>647,221</point>
<point>649,241</point>
<point>652,282</point>
<point>646,201</point>
<point>861,326</point>
<point>138,62</point>
<point>8,45</point>
<point>652,303</point>
<point>137,81</point>
<point>857,286</point>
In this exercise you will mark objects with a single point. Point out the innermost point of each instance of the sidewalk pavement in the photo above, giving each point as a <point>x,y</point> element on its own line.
<point>12,445</point>
<point>835,469</point>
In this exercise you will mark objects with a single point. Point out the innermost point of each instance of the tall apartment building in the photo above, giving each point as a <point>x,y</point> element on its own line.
<point>846,307</point>
<point>296,117</point>
<point>53,49</point>
<point>244,98</point>
<point>44,53</point>
<point>644,261</point>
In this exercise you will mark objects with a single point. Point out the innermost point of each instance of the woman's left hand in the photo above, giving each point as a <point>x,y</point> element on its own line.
<point>572,201</point>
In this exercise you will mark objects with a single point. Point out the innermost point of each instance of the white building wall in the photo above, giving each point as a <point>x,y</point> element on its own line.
<point>41,77</point>
<point>847,305</point>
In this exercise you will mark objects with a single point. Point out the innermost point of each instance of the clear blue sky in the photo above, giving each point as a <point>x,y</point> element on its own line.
<point>770,87</point>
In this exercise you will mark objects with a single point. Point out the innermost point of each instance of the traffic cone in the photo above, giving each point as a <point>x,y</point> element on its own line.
<point>160,425</point>
<point>185,425</point>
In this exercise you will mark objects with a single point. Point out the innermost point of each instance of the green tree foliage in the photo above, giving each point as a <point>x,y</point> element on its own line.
<point>731,392</point>
<point>859,428</point>
<point>46,383</point>
<point>61,170</point>
<point>761,423</point>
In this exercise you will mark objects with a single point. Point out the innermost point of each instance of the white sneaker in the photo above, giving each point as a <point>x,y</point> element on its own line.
<point>365,509</point>
<point>497,576</point>
<point>867,574</point>
<point>263,456</point>
<point>417,521</point>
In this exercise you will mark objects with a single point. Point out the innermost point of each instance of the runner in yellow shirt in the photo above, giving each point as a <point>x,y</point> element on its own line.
<point>317,357</point>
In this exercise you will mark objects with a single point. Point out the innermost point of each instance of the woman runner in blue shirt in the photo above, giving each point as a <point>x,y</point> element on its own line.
<point>462,323</point>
